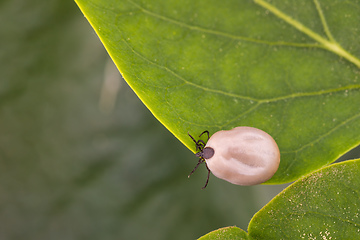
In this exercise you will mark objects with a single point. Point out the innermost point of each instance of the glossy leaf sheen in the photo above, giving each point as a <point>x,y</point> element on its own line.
<point>323,205</point>
<point>290,68</point>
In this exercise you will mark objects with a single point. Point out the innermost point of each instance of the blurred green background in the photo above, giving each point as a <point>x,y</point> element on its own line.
<point>80,156</point>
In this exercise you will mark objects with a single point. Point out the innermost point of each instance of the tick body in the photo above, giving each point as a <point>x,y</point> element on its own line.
<point>243,156</point>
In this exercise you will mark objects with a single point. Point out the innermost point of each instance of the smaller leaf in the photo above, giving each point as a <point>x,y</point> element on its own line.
<point>227,233</point>
<point>323,205</point>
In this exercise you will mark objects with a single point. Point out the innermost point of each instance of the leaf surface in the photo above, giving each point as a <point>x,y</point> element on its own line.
<point>323,205</point>
<point>288,68</point>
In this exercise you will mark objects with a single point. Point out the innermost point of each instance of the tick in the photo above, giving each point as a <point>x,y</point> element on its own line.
<point>243,155</point>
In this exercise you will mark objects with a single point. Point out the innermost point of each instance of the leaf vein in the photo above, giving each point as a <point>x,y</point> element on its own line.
<point>323,21</point>
<point>329,45</point>
<point>343,123</point>
<point>275,99</point>
<point>223,34</point>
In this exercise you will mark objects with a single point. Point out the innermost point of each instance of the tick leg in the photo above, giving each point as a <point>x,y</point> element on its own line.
<point>207,132</point>
<point>200,145</point>
<point>193,139</point>
<point>201,160</point>
<point>207,180</point>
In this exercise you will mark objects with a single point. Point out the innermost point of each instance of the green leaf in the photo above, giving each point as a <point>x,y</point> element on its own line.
<point>227,233</point>
<point>323,205</point>
<point>290,68</point>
